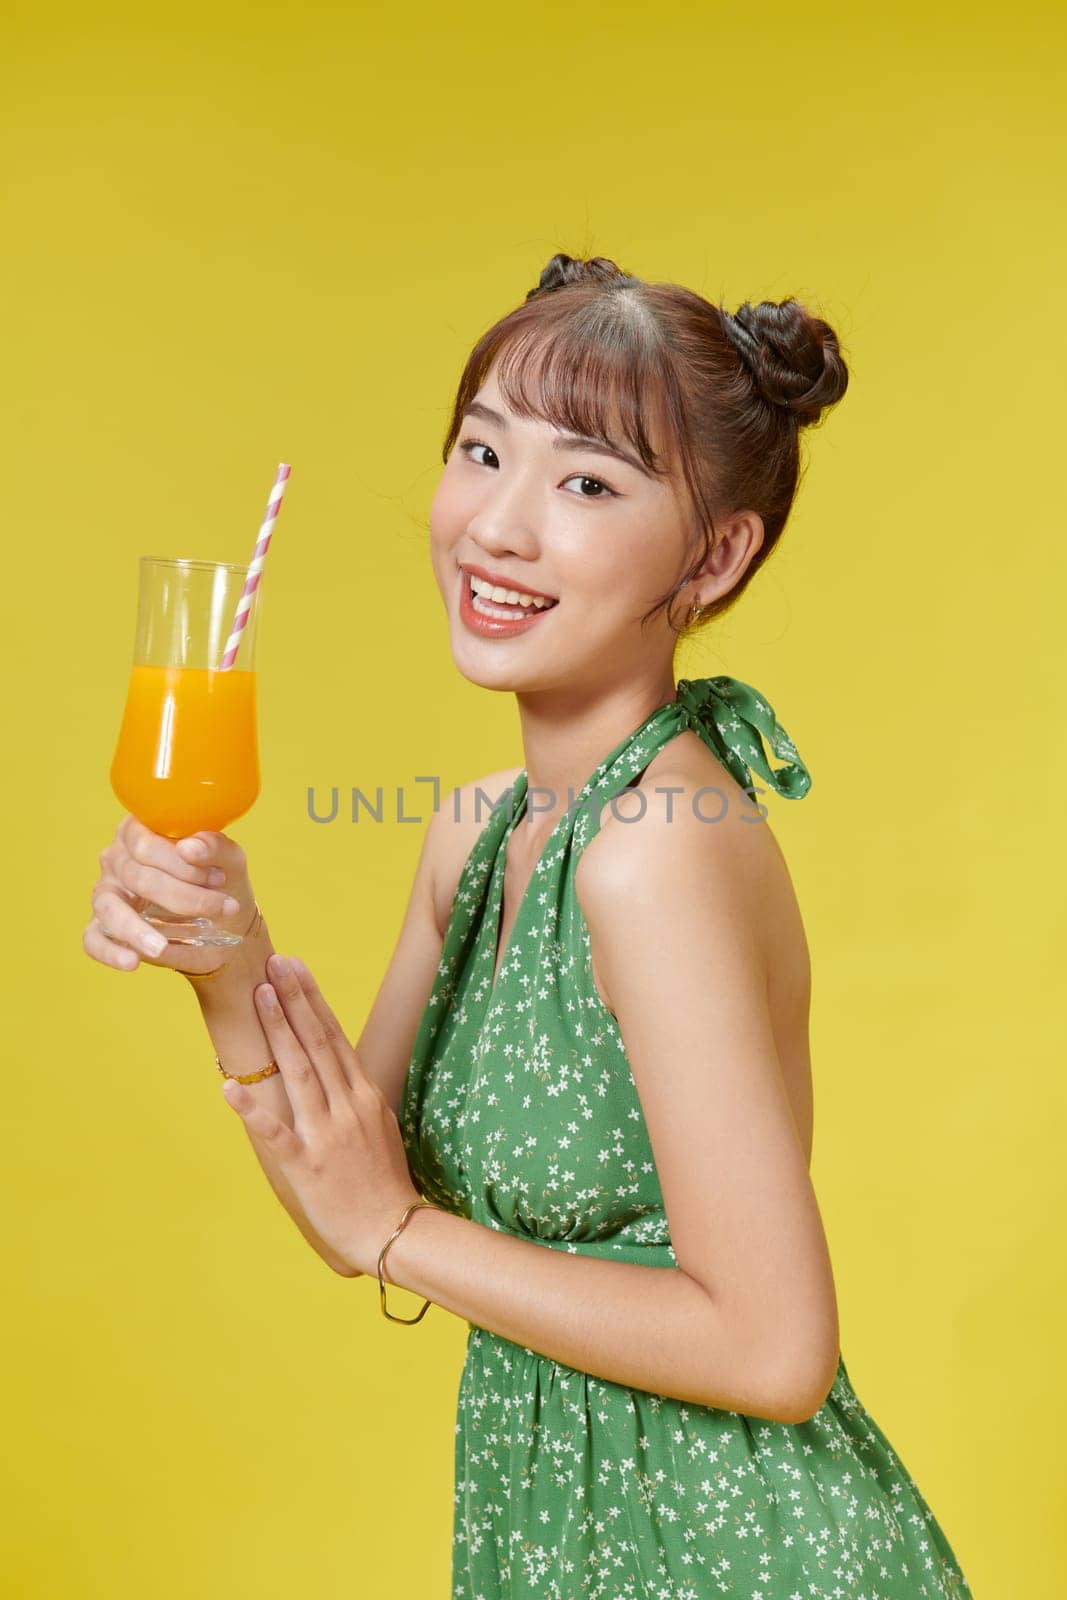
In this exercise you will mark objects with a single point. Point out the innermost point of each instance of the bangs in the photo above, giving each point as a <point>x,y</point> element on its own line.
<point>594,374</point>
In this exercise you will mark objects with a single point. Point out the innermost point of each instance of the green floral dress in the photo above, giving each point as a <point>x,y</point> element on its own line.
<point>519,1110</point>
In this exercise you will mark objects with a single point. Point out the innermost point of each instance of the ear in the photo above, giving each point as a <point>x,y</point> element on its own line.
<point>738,538</point>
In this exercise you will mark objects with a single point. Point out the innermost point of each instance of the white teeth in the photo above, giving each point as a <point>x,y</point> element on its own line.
<point>484,609</point>
<point>514,597</point>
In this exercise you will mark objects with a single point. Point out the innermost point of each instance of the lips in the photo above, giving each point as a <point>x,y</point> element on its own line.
<point>500,627</point>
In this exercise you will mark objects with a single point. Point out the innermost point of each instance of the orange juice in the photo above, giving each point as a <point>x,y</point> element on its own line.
<point>187,749</point>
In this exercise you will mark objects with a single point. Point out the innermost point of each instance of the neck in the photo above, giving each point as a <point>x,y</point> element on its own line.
<point>565,734</point>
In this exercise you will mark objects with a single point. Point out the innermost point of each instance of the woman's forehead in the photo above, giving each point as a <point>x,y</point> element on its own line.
<point>571,407</point>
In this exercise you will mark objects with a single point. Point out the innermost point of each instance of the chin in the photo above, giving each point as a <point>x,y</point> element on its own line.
<point>475,660</point>
<point>485,676</point>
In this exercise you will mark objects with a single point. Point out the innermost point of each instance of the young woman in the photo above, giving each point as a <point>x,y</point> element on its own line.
<point>588,1061</point>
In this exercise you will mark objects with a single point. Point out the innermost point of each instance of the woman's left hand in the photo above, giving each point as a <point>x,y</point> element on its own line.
<point>344,1156</point>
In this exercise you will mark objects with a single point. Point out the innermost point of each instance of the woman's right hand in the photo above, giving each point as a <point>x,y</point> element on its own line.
<point>139,866</point>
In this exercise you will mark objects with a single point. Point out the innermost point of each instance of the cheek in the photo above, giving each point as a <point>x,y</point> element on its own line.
<point>448,515</point>
<point>608,564</point>
<point>647,558</point>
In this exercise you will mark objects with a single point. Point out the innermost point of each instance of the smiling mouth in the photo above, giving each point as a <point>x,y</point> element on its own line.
<point>502,610</point>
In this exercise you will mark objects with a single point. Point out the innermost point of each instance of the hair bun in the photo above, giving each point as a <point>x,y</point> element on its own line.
<point>793,356</point>
<point>563,270</point>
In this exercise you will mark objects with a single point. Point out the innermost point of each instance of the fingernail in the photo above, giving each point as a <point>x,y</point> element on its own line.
<point>216,877</point>
<point>193,847</point>
<point>154,943</point>
<point>230,906</point>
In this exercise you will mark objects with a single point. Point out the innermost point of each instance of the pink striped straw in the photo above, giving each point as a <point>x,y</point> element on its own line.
<point>244,604</point>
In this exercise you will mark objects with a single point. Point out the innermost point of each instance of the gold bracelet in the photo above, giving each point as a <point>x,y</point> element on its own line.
<point>381,1258</point>
<point>249,1077</point>
<point>249,933</point>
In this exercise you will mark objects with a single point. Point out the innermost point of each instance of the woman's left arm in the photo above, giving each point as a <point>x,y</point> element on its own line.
<point>747,1321</point>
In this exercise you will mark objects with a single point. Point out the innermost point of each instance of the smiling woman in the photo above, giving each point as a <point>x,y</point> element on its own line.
<point>601,363</point>
<point>579,1114</point>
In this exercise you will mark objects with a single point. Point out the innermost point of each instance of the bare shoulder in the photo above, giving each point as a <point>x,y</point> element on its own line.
<point>687,827</point>
<point>685,800</point>
<point>463,814</point>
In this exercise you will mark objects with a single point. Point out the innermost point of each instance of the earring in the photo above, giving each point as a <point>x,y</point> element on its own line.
<point>695,612</point>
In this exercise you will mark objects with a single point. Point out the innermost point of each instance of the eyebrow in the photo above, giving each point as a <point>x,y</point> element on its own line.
<point>562,441</point>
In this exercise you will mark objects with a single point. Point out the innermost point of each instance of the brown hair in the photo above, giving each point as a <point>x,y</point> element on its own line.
<point>733,391</point>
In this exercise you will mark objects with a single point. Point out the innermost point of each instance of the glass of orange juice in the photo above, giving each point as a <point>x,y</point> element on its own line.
<point>187,756</point>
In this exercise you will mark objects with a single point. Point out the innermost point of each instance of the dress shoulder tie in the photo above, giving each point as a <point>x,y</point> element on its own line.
<point>733,719</point>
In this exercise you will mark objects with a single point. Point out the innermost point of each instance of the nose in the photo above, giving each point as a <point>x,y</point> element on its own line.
<point>506,519</point>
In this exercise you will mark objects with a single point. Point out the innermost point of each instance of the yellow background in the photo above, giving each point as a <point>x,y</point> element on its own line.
<point>238,236</point>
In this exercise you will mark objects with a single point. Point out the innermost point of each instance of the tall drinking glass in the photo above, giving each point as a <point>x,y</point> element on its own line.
<point>187,753</point>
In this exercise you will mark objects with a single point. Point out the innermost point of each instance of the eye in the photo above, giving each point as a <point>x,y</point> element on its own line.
<point>584,478</point>
<point>469,445</point>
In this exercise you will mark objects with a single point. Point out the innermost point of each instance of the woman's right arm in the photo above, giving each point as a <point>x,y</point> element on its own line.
<point>141,864</point>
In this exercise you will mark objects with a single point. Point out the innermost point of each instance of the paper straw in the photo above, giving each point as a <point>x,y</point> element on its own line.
<point>255,567</point>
